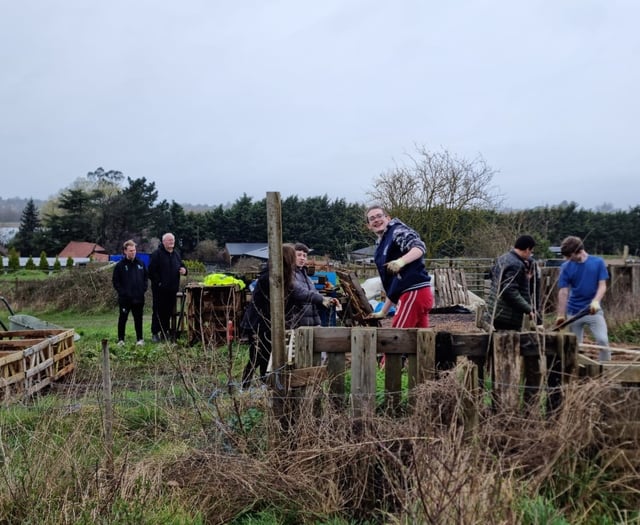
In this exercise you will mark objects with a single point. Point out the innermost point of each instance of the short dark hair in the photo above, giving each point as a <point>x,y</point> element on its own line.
<point>301,247</point>
<point>524,242</point>
<point>571,245</point>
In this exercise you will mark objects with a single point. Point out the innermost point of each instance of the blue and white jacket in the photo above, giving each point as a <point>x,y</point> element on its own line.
<point>397,240</point>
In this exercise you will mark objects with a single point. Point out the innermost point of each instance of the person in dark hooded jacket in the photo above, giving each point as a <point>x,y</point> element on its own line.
<point>130,281</point>
<point>306,300</point>
<point>165,269</point>
<point>510,294</point>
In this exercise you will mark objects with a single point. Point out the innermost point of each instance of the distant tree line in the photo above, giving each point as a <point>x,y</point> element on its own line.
<point>448,200</point>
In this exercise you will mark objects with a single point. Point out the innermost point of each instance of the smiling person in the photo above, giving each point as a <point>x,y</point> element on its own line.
<point>399,257</point>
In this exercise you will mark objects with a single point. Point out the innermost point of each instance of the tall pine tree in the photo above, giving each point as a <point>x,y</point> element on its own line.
<point>26,240</point>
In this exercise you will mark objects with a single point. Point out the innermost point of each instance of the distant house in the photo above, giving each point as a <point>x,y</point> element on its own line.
<point>234,251</point>
<point>363,255</point>
<point>81,249</point>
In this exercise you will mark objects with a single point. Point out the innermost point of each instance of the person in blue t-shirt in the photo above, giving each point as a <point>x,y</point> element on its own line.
<point>582,284</point>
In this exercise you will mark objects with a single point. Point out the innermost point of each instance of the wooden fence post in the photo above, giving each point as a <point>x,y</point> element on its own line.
<point>507,370</point>
<point>363,371</point>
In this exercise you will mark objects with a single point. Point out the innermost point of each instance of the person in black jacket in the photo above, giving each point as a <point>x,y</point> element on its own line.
<point>165,269</point>
<point>510,294</point>
<point>130,281</point>
<point>259,318</point>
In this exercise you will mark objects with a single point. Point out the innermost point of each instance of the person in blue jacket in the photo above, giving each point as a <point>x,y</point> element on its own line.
<point>165,270</point>
<point>130,281</point>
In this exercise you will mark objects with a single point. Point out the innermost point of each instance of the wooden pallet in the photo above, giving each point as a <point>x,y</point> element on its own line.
<point>450,287</point>
<point>31,360</point>
<point>209,310</point>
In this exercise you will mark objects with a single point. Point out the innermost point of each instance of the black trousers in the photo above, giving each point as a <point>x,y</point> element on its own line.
<point>164,306</point>
<point>124,307</point>
<point>259,354</point>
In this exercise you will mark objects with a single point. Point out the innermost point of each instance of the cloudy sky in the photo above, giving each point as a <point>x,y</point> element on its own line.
<point>211,99</point>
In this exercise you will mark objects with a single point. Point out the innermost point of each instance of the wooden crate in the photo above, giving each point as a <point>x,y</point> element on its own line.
<point>209,309</point>
<point>30,360</point>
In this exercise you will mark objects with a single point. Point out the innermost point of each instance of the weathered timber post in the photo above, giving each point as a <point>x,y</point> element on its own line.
<point>422,363</point>
<point>363,371</point>
<point>507,370</point>
<point>276,304</point>
<point>108,408</point>
<point>276,292</point>
<point>472,395</point>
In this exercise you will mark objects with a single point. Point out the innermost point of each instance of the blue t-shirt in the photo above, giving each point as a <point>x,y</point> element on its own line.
<point>582,279</point>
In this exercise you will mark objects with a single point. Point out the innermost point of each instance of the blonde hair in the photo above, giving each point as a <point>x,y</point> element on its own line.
<point>128,243</point>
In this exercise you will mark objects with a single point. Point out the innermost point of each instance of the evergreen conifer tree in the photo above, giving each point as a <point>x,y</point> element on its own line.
<point>14,260</point>
<point>30,265</point>
<point>43,264</point>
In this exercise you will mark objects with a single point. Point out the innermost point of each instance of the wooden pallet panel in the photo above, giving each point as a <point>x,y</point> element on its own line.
<point>209,309</point>
<point>31,360</point>
<point>450,287</point>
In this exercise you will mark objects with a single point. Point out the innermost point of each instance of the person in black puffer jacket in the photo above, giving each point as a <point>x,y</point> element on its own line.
<point>130,281</point>
<point>510,294</point>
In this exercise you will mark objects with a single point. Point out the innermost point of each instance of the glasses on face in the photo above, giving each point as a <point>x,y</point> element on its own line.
<point>375,217</point>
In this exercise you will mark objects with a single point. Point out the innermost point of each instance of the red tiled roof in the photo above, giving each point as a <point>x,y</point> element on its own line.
<point>84,249</point>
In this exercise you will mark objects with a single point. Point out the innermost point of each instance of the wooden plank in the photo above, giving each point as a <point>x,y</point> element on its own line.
<point>336,370</point>
<point>18,344</point>
<point>426,358</point>
<point>5,381</point>
<point>507,370</point>
<point>304,343</point>
<point>31,334</point>
<point>39,367</point>
<point>10,358</point>
<point>301,377</point>
<point>392,382</point>
<point>472,394</point>
<point>621,373</point>
<point>363,371</point>
<point>63,371</point>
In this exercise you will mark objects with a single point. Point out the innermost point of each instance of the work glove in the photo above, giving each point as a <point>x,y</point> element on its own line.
<point>327,302</point>
<point>594,307</point>
<point>378,315</point>
<point>560,320</point>
<point>396,266</point>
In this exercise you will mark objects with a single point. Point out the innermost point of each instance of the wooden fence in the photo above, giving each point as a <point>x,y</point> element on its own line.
<point>526,360</point>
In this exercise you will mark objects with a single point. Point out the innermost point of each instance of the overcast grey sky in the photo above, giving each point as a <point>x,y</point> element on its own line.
<point>211,99</point>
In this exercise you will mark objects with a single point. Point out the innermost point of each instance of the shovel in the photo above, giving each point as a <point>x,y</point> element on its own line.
<point>567,322</point>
